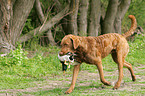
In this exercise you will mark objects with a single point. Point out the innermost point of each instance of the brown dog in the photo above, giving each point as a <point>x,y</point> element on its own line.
<point>93,49</point>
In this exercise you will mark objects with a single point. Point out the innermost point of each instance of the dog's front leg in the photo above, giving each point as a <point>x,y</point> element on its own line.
<point>100,69</point>
<point>75,74</point>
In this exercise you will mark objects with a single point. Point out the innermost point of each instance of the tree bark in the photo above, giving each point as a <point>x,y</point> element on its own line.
<point>122,8</point>
<point>21,11</point>
<point>46,26</point>
<point>39,11</point>
<point>73,28</point>
<point>6,15</point>
<point>94,19</point>
<point>83,17</point>
<point>51,39</point>
<point>64,22</point>
<point>42,19</point>
<point>110,17</point>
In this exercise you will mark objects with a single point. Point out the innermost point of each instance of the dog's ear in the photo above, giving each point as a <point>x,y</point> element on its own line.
<point>75,41</point>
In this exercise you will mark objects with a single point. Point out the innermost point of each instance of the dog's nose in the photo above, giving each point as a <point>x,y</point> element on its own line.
<point>60,53</point>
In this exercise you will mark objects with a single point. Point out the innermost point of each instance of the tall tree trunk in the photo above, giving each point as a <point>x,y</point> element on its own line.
<point>108,23</point>
<point>21,11</point>
<point>6,15</point>
<point>94,19</point>
<point>51,39</point>
<point>74,5</point>
<point>83,17</point>
<point>64,22</point>
<point>42,19</point>
<point>39,11</point>
<point>13,16</point>
<point>122,8</point>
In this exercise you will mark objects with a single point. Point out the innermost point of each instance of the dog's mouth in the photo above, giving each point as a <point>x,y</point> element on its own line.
<point>66,60</point>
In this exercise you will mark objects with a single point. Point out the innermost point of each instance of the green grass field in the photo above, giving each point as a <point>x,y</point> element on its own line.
<point>41,75</point>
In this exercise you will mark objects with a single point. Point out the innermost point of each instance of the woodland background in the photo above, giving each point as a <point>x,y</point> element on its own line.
<point>31,31</point>
<point>46,22</point>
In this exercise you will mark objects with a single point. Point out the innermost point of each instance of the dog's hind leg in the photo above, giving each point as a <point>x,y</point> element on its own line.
<point>129,66</point>
<point>126,64</point>
<point>118,58</point>
<point>74,78</point>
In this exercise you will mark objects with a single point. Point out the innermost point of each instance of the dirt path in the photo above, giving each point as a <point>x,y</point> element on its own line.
<point>84,79</point>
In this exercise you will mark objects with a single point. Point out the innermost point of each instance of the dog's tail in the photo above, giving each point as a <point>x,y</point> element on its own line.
<point>132,28</point>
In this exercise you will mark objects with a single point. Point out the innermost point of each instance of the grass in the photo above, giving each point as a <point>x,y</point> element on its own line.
<point>19,72</point>
<point>17,67</point>
<point>88,91</point>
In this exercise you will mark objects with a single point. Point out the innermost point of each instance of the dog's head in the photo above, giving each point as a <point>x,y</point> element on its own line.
<point>69,44</point>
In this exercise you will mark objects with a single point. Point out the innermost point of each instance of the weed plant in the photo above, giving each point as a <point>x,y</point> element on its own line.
<point>17,70</point>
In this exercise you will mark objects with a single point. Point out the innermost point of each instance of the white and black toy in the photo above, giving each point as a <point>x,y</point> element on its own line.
<point>67,59</point>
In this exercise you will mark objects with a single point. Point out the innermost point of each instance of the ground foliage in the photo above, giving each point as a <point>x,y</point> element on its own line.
<point>44,75</point>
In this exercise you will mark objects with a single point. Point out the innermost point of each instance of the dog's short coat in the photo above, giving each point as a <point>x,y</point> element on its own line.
<point>93,49</point>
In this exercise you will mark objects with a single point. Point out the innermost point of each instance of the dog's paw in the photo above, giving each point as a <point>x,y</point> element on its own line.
<point>133,78</point>
<point>68,91</point>
<point>107,83</point>
<point>116,87</point>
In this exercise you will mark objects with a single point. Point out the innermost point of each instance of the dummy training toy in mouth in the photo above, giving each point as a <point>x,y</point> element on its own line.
<point>67,59</point>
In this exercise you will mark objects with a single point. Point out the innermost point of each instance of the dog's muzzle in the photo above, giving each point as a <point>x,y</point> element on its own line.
<point>67,59</point>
